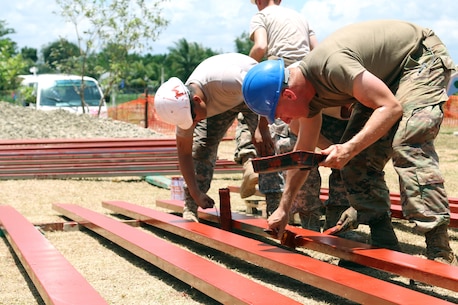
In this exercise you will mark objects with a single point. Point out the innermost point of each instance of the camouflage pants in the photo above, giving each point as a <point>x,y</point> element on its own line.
<point>268,183</point>
<point>207,136</point>
<point>308,198</point>
<point>409,143</point>
<point>333,129</point>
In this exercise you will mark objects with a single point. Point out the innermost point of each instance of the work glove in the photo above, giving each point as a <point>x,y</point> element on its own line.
<point>348,220</point>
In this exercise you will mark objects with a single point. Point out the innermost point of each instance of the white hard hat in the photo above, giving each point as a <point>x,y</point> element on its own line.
<point>172,103</point>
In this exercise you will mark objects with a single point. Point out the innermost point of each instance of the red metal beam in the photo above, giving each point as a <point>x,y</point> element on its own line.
<point>340,281</point>
<point>208,277</point>
<point>56,280</point>
<point>48,159</point>
<point>406,265</point>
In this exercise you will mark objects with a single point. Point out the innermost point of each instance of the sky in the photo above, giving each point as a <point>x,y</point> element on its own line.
<point>216,24</point>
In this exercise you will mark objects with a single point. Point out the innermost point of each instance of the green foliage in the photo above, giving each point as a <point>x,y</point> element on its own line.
<point>61,56</point>
<point>11,63</point>
<point>185,57</point>
<point>243,44</point>
<point>117,27</point>
<point>108,49</point>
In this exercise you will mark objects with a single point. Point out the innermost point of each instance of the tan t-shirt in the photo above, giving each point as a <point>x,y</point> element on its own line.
<point>220,77</point>
<point>381,47</point>
<point>288,32</point>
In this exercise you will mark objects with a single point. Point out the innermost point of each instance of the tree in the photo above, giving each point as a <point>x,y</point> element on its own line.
<point>185,57</point>
<point>243,44</point>
<point>128,25</point>
<point>61,56</point>
<point>11,63</point>
<point>29,54</point>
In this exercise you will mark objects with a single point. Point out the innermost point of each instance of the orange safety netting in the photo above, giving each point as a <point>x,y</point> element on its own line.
<point>141,112</point>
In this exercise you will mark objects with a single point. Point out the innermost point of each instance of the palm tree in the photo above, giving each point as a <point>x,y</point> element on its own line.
<point>185,57</point>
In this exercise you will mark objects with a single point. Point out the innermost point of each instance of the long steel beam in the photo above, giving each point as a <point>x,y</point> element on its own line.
<point>208,277</point>
<point>340,281</point>
<point>56,280</point>
<point>403,264</point>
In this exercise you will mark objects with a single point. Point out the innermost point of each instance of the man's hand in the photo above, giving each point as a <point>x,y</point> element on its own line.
<point>204,201</point>
<point>348,220</point>
<point>338,156</point>
<point>262,140</point>
<point>277,222</point>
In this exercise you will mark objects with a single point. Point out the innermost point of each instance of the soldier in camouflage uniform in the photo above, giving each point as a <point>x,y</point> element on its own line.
<point>203,109</point>
<point>396,74</point>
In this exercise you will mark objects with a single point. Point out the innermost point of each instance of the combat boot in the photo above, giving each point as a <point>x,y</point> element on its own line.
<point>382,233</point>
<point>438,246</point>
<point>249,180</point>
<point>190,211</point>
<point>272,202</point>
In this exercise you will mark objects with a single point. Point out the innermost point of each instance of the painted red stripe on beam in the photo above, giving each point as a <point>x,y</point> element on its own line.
<point>115,142</point>
<point>57,281</point>
<point>349,284</point>
<point>214,280</point>
<point>406,265</point>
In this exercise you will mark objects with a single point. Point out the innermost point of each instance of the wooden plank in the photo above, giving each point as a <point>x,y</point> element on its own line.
<point>208,277</point>
<point>349,284</point>
<point>56,280</point>
<point>405,265</point>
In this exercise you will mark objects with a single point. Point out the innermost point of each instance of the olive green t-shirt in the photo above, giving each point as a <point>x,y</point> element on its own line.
<point>380,47</point>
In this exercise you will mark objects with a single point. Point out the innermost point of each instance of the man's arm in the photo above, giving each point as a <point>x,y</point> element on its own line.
<point>184,147</point>
<point>307,139</point>
<point>259,49</point>
<point>373,93</point>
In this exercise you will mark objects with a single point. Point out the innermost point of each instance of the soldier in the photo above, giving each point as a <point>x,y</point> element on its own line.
<point>395,74</point>
<point>203,109</point>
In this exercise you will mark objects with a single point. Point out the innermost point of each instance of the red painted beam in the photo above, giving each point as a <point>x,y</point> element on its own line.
<point>57,281</point>
<point>340,281</point>
<point>212,279</point>
<point>113,142</point>
<point>406,265</point>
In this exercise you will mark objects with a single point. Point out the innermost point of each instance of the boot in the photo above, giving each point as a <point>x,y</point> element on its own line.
<point>438,246</point>
<point>190,211</point>
<point>382,233</point>
<point>311,220</point>
<point>272,202</point>
<point>249,180</point>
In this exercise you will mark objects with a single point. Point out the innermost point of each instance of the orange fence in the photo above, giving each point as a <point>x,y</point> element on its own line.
<point>141,112</point>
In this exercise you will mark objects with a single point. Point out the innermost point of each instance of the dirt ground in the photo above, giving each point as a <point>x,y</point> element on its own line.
<point>123,278</point>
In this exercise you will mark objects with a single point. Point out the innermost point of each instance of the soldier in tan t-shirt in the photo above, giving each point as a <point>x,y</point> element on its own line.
<point>203,109</point>
<point>395,73</point>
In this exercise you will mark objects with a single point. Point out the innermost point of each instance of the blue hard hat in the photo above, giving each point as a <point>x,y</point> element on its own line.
<point>262,86</point>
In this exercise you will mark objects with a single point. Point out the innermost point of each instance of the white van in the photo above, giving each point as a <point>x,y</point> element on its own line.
<point>61,91</point>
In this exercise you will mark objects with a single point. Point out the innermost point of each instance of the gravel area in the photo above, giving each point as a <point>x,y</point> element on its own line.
<point>27,123</point>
